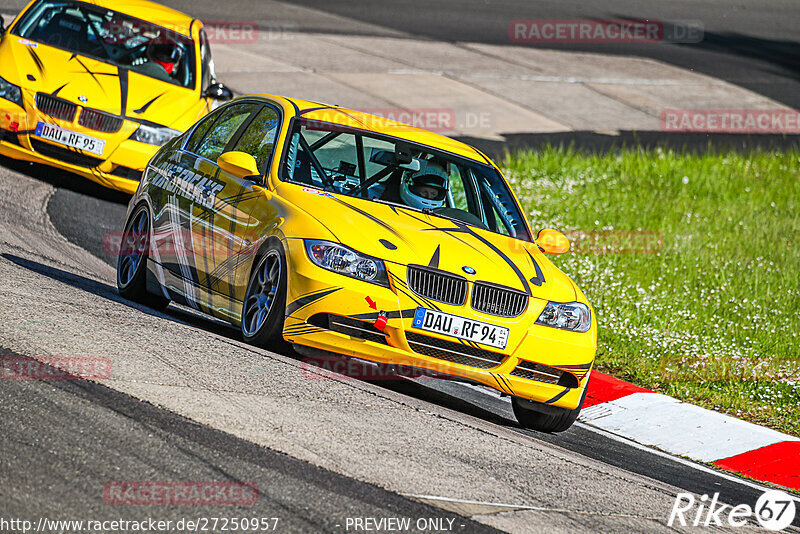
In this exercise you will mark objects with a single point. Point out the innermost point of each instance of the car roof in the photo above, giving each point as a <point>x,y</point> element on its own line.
<point>366,121</point>
<point>151,12</point>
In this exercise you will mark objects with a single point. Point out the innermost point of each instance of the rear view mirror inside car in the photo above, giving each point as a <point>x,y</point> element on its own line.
<point>387,158</point>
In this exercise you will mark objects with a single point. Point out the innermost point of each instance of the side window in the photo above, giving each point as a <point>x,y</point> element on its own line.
<point>206,62</point>
<point>214,142</point>
<point>201,131</point>
<point>458,194</point>
<point>258,139</point>
<point>496,205</point>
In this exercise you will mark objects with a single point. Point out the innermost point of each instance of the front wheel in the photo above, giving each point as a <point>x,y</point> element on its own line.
<point>265,300</point>
<point>543,417</point>
<point>132,261</point>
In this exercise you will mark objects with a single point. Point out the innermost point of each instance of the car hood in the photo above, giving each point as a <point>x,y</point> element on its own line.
<point>405,236</point>
<point>91,83</point>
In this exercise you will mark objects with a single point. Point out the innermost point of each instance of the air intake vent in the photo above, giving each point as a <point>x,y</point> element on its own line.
<point>64,154</point>
<point>97,120</point>
<point>544,373</point>
<point>453,352</point>
<point>437,285</point>
<point>498,300</point>
<point>351,327</point>
<point>55,107</point>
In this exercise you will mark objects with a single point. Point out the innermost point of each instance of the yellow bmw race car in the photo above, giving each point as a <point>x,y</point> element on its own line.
<point>343,232</point>
<point>97,86</point>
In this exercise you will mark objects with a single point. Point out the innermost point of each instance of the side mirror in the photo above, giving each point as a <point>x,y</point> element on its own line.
<point>2,26</point>
<point>218,91</point>
<point>240,165</point>
<point>552,241</point>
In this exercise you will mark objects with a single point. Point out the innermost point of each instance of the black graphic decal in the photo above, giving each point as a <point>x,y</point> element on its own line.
<point>304,301</point>
<point>464,229</point>
<point>55,93</point>
<point>554,399</point>
<point>36,59</point>
<point>123,91</point>
<point>537,280</point>
<point>434,263</point>
<point>147,104</point>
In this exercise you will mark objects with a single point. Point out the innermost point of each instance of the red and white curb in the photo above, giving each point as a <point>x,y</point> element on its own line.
<point>682,429</point>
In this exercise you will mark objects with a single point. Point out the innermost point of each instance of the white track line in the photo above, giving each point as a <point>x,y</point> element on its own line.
<point>678,459</point>
<point>631,443</point>
<point>680,428</point>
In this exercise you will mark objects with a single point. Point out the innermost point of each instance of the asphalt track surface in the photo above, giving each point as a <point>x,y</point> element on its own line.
<point>750,43</point>
<point>103,434</point>
<point>123,438</point>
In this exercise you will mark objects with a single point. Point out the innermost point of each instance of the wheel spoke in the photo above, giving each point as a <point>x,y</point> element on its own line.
<point>261,294</point>
<point>133,248</point>
<point>262,276</point>
<point>274,272</point>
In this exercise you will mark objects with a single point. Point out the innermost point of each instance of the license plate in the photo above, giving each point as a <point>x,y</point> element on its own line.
<point>66,137</point>
<point>460,327</point>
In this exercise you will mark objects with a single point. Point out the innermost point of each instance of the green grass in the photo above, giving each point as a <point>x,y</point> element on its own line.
<point>711,314</point>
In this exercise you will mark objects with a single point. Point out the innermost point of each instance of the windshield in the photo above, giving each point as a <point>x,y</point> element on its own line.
<point>384,169</point>
<point>112,37</point>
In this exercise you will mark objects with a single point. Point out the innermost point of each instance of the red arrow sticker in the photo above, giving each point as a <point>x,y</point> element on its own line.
<point>371,303</point>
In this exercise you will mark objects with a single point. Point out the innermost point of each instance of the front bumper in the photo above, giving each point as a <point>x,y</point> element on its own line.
<point>119,168</point>
<point>316,295</point>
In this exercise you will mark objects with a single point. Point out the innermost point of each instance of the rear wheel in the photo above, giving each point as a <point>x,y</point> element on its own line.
<point>132,261</point>
<point>543,417</point>
<point>265,300</point>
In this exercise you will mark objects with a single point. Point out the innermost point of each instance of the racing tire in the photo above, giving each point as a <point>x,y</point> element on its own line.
<point>543,417</point>
<point>132,261</point>
<point>264,308</point>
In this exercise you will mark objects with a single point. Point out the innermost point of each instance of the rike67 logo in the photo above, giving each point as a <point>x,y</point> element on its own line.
<point>774,510</point>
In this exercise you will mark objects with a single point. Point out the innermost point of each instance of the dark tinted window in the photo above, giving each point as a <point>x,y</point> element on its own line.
<point>326,155</point>
<point>200,131</point>
<point>258,139</point>
<point>220,134</point>
<point>207,63</point>
<point>111,37</point>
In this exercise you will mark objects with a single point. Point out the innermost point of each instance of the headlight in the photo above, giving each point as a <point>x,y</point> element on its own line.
<point>154,135</point>
<point>343,260</point>
<point>11,92</point>
<point>567,316</point>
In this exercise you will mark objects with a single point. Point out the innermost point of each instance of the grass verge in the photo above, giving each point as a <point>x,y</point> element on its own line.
<point>692,264</point>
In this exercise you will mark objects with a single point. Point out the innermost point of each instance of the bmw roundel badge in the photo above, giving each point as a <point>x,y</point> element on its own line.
<point>467,269</point>
<point>82,98</point>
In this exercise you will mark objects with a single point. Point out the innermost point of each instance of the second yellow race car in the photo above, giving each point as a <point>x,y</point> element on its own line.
<point>340,231</point>
<point>97,86</point>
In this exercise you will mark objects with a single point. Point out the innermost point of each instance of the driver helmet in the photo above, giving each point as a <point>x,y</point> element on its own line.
<point>165,52</point>
<point>425,188</point>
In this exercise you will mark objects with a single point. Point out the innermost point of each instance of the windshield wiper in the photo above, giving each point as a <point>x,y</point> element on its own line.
<point>424,211</point>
